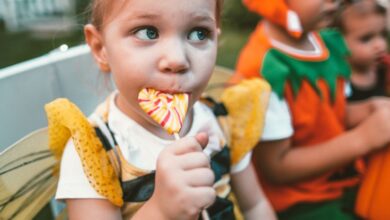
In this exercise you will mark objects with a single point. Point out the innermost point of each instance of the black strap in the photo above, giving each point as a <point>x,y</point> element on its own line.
<point>220,163</point>
<point>141,188</point>
<point>106,144</point>
<point>218,108</point>
<point>222,209</point>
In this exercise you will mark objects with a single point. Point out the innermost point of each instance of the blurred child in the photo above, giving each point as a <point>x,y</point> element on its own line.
<point>306,145</point>
<point>169,46</point>
<point>363,25</point>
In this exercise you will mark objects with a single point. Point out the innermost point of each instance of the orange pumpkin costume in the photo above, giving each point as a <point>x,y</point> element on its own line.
<point>312,84</point>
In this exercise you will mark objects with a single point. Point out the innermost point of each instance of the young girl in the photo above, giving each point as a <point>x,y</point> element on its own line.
<point>363,25</point>
<point>305,146</point>
<point>169,46</point>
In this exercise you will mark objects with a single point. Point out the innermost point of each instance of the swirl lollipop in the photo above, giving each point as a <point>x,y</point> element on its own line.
<point>169,110</point>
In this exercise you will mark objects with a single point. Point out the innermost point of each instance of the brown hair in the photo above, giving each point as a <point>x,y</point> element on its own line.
<point>99,9</point>
<point>359,7</point>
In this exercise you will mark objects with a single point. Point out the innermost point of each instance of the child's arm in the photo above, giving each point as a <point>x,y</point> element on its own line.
<point>282,163</point>
<point>92,209</point>
<point>184,180</point>
<point>358,111</point>
<point>250,196</point>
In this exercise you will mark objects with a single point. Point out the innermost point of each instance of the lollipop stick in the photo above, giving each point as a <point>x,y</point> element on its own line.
<point>176,135</point>
<point>205,215</point>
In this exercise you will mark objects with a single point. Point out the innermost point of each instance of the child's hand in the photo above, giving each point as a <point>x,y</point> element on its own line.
<point>357,112</point>
<point>379,103</point>
<point>184,179</point>
<point>375,129</point>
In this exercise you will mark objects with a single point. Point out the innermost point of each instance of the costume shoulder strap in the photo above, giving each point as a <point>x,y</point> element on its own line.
<point>246,105</point>
<point>67,121</point>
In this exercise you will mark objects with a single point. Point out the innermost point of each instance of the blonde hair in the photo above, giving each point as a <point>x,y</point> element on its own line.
<point>99,10</point>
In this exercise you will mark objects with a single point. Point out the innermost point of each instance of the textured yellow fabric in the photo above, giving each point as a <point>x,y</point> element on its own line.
<point>65,121</point>
<point>246,104</point>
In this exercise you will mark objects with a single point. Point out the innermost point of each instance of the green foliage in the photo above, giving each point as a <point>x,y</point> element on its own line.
<point>231,42</point>
<point>237,15</point>
<point>237,23</point>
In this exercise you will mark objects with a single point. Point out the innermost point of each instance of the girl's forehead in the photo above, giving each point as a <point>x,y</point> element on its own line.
<point>164,6</point>
<point>176,10</point>
<point>362,9</point>
<point>363,23</point>
<point>365,6</point>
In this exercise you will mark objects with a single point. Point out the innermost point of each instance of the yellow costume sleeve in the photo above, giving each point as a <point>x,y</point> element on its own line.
<point>65,121</point>
<point>246,104</point>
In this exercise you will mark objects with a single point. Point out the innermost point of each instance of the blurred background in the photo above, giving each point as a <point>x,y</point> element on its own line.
<point>31,28</point>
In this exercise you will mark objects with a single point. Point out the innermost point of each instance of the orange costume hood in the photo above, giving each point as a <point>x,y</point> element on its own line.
<point>277,12</point>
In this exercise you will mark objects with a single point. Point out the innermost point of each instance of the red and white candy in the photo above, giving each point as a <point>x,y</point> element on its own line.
<point>169,110</point>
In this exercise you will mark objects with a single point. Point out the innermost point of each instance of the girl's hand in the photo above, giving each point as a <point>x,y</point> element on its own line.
<point>379,103</point>
<point>357,112</point>
<point>184,179</point>
<point>374,131</point>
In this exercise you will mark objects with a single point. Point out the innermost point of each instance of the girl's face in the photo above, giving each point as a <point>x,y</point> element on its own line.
<point>314,14</point>
<point>366,39</point>
<point>168,45</point>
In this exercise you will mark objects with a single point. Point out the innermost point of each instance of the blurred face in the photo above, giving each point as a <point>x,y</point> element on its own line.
<point>365,36</point>
<point>168,45</point>
<point>314,14</point>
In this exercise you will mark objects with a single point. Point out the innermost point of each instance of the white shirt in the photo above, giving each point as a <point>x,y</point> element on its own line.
<point>139,147</point>
<point>278,124</point>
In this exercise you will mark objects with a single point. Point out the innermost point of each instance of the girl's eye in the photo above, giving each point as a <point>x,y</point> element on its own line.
<point>199,34</point>
<point>366,38</point>
<point>146,33</point>
<point>384,34</point>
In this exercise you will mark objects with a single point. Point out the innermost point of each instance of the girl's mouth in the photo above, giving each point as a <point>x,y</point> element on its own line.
<point>381,58</point>
<point>171,91</point>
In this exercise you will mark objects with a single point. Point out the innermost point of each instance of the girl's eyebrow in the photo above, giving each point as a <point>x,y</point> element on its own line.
<point>143,15</point>
<point>202,16</point>
<point>196,16</point>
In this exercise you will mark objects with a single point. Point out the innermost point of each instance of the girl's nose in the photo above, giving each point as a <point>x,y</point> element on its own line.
<point>381,45</point>
<point>333,5</point>
<point>173,58</point>
<point>336,2</point>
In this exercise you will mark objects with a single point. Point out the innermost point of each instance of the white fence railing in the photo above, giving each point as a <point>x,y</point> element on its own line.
<point>26,87</point>
<point>19,14</point>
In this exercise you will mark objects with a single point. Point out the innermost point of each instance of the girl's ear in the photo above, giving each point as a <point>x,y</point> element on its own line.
<point>219,31</point>
<point>98,50</point>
